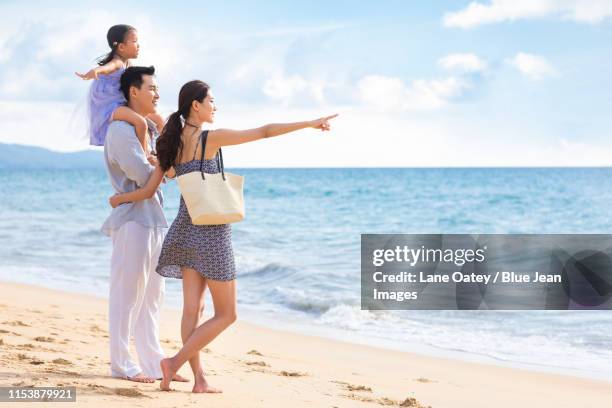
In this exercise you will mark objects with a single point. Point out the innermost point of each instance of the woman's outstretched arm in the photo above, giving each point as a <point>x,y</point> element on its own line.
<point>227,137</point>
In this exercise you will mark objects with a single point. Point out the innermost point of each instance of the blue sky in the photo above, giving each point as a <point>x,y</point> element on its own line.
<point>416,83</point>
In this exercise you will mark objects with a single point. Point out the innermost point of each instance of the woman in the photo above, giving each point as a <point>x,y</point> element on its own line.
<point>201,255</point>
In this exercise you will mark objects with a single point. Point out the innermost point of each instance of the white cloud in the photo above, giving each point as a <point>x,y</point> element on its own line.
<point>293,30</point>
<point>407,140</point>
<point>284,87</point>
<point>412,139</point>
<point>288,89</point>
<point>463,62</point>
<point>392,94</point>
<point>255,73</point>
<point>533,66</point>
<point>496,11</point>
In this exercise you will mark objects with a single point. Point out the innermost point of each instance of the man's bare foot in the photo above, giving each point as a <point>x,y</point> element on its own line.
<point>167,372</point>
<point>141,378</point>
<point>201,386</point>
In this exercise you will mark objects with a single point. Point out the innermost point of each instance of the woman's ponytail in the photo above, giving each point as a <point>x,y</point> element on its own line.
<point>169,144</point>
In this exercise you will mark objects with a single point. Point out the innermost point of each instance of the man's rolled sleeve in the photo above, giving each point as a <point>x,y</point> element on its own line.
<point>127,152</point>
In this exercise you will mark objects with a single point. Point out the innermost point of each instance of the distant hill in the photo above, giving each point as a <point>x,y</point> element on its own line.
<point>14,156</point>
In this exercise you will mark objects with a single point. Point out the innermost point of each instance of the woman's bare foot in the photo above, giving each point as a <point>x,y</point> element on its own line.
<point>179,378</point>
<point>201,386</point>
<point>168,373</point>
<point>141,378</point>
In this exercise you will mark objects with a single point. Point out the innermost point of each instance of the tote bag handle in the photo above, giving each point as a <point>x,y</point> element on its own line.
<point>203,137</point>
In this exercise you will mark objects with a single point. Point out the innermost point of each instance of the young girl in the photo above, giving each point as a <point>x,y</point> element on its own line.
<point>106,102</point>
<point>200,255</point>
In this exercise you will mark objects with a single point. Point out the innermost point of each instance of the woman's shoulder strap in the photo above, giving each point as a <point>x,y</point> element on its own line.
<point>203,137</point>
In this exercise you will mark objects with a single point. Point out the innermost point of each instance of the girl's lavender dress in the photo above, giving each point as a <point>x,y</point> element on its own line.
<point>104,97</point>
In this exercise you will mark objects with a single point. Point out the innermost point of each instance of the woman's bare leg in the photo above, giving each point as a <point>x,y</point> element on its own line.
<point>194,289</point>
<point>224,300</point>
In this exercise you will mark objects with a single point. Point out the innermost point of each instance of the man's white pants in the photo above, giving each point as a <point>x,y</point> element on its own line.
<point>136,295</point>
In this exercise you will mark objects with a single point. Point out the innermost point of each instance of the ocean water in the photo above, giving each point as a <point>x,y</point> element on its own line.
<point>298,251</point>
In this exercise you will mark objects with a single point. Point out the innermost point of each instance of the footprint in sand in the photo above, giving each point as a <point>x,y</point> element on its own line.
<point>17,323</point>
<point>124,392</point>
<point>61,361</point>
<point>44,339</point>
<point>53,370</point>
<point>100,389</point>
<point>292,374</point>
<point>130,392</point>
<point>412,403</point>
<point>95,328</point>
<point>351,387</point>
<point>258,363</point>
<point>409,402</point>
<point>364,399</point>
<point>255,353</point>
<point>424,380</point>
<point>4,331</point>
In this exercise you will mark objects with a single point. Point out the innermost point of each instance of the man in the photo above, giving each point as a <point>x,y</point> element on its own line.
<point>137,231</point>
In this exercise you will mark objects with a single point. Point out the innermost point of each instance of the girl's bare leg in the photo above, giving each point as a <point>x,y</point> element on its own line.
<point>194,288</point>
<point>140,123</point>
<point>224,300</point>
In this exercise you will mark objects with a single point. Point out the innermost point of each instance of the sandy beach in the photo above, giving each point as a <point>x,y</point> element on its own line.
<point>54,338</point>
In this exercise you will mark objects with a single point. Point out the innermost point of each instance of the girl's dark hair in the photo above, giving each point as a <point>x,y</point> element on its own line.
<point>169,144</point>
<point>115,36</point>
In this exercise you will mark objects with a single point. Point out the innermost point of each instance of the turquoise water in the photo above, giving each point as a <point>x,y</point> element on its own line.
<point>298,255</point>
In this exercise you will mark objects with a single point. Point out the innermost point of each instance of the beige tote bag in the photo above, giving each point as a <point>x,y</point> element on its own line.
<point>212,199</point>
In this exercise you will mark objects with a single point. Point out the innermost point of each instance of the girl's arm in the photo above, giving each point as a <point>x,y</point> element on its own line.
<point>105,69</point>
<point>143,193</point>
<point>158,120</point>
<point>227,137</point>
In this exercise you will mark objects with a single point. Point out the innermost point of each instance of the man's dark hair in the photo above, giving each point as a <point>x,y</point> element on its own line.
<point>132,76</point>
